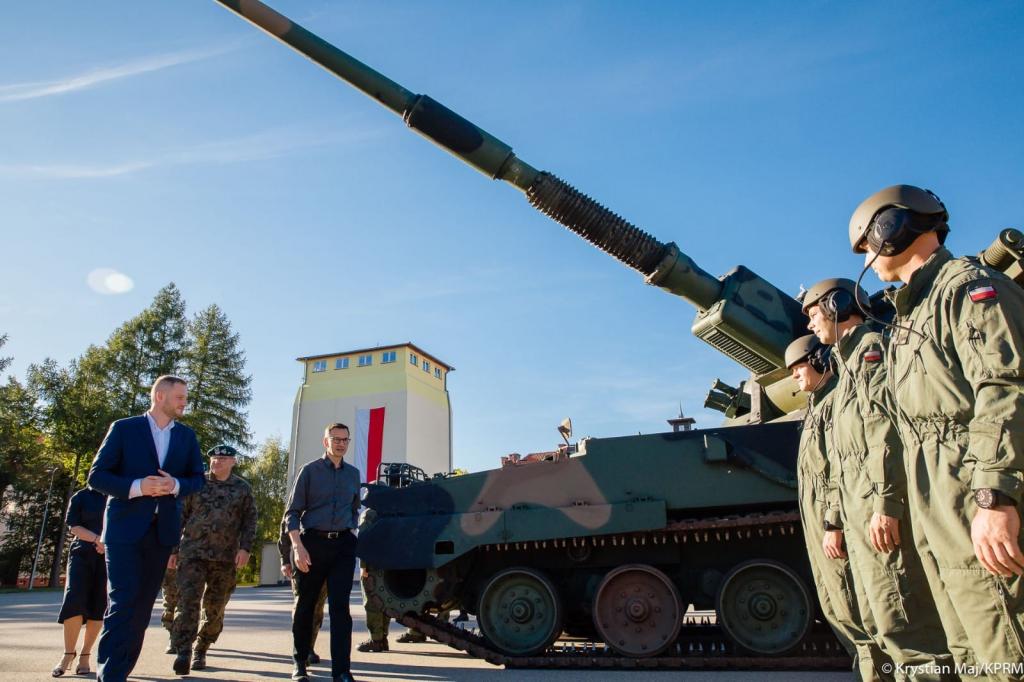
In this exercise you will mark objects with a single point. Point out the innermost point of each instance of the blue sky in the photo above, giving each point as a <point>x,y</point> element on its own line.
<point>172,141</point>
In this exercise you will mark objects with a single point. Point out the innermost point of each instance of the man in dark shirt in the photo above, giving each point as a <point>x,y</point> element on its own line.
<point>322,516</point>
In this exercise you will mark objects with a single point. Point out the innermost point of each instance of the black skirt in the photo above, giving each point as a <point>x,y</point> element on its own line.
<point>85,592</point>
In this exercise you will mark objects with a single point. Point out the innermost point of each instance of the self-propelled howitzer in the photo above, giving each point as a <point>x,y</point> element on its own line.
<point>612,542</point>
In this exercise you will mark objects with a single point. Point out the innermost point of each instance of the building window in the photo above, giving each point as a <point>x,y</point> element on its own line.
<point>319,365</point>
<point>413,360</point>
<point>387,357</point>
<point>365,360</point>
<point>437,372</point>
<point>426,367</point>
<point>341,363</point>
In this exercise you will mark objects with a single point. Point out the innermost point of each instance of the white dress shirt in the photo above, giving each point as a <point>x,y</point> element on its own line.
<point>162,441</point>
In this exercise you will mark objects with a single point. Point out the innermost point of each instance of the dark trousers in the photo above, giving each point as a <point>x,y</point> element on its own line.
<point>332,562</point>
<point>134,574</point>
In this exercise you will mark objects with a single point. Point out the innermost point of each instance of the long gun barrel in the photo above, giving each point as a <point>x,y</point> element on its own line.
<point>742,315</point>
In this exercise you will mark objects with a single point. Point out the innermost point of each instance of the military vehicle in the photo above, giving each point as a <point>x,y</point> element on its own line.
<point>612,543</point>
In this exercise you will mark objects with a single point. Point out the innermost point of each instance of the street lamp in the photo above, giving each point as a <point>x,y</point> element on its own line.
<point>42,529</point>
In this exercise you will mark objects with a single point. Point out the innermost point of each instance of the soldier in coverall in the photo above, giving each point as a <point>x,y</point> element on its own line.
<point>956,372</point>
<point>284,548</point>
<point>806,358</point>
<point>889,577</point>
<point>218,529</point>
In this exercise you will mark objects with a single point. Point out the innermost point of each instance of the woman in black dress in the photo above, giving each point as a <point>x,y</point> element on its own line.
<point>85,588</point>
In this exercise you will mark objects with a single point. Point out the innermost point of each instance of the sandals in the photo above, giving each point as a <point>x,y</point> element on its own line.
<point>83,666</point>
<point>65,663</point>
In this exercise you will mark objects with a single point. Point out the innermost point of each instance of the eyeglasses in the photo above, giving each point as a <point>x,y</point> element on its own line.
<point>340,440</point>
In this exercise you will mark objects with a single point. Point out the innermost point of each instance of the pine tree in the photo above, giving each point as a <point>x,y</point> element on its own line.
<point>150,344</point>
<point>219,389</point>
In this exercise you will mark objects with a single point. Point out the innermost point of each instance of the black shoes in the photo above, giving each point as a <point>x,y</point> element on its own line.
<point>299,674</point>
<point>181,665</point>
<point>374,645</point>
<point>313,658</point>
<point>344,677</point>
<point>412,637</point>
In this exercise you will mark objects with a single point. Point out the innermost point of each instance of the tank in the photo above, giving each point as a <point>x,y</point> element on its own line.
<point>607,546</point>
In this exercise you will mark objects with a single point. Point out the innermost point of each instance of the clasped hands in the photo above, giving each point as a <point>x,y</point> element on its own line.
<point>156,486</point>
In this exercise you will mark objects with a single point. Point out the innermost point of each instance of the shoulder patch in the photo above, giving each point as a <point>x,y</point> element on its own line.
<point>982,292</point>
<point>873,355</point>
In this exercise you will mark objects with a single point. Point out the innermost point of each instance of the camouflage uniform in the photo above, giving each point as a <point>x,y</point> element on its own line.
<point>958,382</point>
<point>284,548</point>
<point>170,590</point>
<point>376,622</point>
<point>819,504</point>
<point>216,522</point>
<point>892,588</point>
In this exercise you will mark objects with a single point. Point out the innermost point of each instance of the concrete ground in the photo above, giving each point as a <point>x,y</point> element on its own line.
<point>256,645</point>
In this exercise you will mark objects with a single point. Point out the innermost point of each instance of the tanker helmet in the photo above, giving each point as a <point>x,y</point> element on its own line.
<point>807,349</point>
<point>889,220</point>
<point>835,297</point>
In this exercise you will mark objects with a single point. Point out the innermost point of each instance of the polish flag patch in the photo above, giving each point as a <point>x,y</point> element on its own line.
<point>873,356</point>
<point>984,292</point>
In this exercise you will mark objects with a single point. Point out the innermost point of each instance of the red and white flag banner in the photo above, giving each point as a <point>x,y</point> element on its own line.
<point>369,442</point>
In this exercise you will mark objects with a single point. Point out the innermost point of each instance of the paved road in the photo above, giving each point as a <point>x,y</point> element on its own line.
<point>256,645</point>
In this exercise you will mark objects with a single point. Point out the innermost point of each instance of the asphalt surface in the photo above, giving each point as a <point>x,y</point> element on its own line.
<point>256,645</point>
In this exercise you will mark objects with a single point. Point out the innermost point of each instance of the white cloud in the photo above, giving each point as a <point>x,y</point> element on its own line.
<point>268,144</point>
<point>82,81</point>
<point>109,281</point>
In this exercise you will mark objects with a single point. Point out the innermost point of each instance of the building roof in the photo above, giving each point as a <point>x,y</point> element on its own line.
<point>407,344</point>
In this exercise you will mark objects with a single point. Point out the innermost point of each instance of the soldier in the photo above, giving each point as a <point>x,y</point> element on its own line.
<point>806,358</point>
<point>376,621</point>
<point>889,578</point>
<point>284,548</point>
<point>956,368</point>
<point>218,529</point>
<point>170,590</point>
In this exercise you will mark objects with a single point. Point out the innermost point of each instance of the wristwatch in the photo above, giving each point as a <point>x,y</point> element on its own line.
<point>832,526</point>
<point>989,498</point>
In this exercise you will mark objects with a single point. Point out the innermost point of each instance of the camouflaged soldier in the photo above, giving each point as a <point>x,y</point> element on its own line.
<point>169,587</point>
<point>956,372</point>
<point>807,360</point>
<point>889,577</point>
<point>284,548</point>
<point>218,529</point>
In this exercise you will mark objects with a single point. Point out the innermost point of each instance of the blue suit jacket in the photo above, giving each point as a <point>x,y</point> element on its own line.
<point>128,453</point>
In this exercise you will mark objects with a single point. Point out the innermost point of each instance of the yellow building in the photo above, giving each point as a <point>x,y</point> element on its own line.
<point>394,399</point>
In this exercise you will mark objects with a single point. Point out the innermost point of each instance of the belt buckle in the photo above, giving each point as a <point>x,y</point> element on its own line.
<point>333,535</point>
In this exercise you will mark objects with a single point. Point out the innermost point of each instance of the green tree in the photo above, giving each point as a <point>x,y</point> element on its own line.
<point>218,387</point>
<point>25,466</point>
<point>267,473</point>
<point>148,345</point>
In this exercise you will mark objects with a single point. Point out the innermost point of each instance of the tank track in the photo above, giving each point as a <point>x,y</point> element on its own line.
<point>701,645</point>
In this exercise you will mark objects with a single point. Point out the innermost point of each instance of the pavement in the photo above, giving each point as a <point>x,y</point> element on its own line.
<point>256,645</point>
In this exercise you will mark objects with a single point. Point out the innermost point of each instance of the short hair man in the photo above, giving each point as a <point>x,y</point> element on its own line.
<point>218,531</point>
<point>807,360</point>
<point>322,517</point>
<point>144,465</point>
<point>956,361</point>
<point>889,576</point>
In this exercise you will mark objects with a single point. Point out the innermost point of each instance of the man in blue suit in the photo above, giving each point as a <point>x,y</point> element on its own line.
<point>146,465</point>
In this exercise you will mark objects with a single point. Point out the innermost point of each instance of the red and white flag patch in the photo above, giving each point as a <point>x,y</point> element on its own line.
<point>982,292</point>
<point>872,356</point>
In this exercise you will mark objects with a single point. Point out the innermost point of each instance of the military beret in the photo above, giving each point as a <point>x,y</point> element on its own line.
<point>222,451</point>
